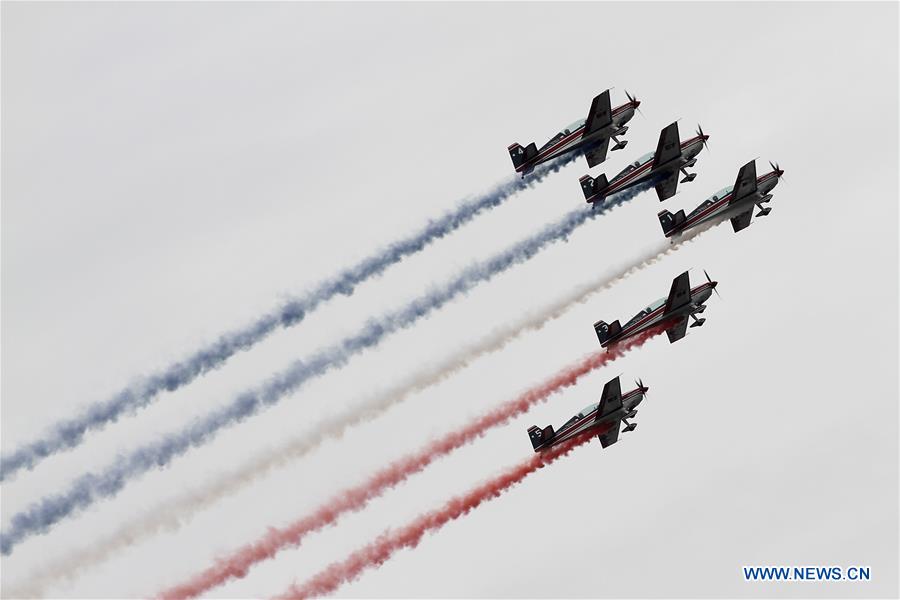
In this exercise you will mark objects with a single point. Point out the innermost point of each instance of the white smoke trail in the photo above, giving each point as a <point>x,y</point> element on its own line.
<point>69,433</point>
<point>175,513</point>
<point>90,487</point>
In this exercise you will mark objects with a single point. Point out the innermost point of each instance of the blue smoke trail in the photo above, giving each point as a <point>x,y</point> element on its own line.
<point>69,433</point>
<point>89,488</point>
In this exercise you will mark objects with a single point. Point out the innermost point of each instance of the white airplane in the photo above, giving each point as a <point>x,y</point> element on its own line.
<point>734,202</point>
<point>660,167</point>
<point>601,417</point>
<point>590,136</point>
<point>672,312</point>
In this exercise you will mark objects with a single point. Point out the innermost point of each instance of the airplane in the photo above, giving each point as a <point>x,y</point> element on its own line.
<point>603,417</point>
<point>682,302</point>
<point>590,136</point>
<point>660,167</point>
<point>735,202</point>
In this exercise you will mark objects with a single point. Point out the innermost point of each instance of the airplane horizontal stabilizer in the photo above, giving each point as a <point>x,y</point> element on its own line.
<point>522,155</point>
<point>540,437</point>
<point>592,187</point>
<point>606,331</point>
<point>671,222</point>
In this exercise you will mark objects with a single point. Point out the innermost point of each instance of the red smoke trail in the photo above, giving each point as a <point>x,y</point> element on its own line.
<point>237,564</point>
<point>379,551</point>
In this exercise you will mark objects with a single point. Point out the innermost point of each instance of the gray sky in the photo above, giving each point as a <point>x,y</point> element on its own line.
<point>170,171</point>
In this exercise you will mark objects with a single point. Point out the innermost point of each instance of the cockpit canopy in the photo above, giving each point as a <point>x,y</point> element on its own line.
<point>584,412</point>
<point>574,126</point>
<point>722,193</point>
<point>703,206</point>
<point>645,312</point>
<point>638,163</point>
<point>711,200</point>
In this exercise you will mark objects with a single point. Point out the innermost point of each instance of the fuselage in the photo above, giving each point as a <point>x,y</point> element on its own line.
<point>719,205</point>
<point>643,170</point>
<point>572,138</point>
<point>587,419</point>
<point>655,314</point>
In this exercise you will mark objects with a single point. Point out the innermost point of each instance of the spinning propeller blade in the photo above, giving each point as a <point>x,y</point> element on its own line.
<point>703,137</point>
<point>778,172</point>
<point>640,384</point>
<point>636,102</point>
<point>714,284</point>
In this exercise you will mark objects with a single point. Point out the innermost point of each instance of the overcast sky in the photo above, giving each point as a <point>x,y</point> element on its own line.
<point>170,171</point>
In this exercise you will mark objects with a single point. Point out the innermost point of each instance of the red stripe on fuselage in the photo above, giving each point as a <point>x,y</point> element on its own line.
<point>618,185</point>
<point>716,204</point>
<point>566,140</point>
<point>630,330</point>
<point>566,431</point>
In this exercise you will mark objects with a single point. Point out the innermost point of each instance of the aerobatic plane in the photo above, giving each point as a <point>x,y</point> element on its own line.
<point>674,310</point>
<point>601,417</point>
<point>661,167</point>
<point>590,136</point>
<point>735,202</point>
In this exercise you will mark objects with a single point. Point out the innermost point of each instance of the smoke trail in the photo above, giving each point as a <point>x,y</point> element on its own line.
<point>89,488</point>
<point>70,433</point>
<point>237,564</point>
<point>378,552</point>
<point>176,512</point>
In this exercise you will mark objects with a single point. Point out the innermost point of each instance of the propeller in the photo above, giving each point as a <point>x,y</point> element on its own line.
<point>636,102</point>
<point>778,172</point>
<point>712,283</point>
<point>702,137</point>
<point>640,384</point>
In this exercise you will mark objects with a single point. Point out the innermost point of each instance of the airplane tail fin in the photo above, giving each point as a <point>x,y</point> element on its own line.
<point>605,331</point>
<point>591,186</point>
<point>671,222</point>
<point>540,437</point>
<point>520,155</point>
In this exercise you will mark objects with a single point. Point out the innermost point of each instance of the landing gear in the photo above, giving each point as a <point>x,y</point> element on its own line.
<point>697,322</point>
<point>688,176</point>
<point>628,426</point>
<point>762,211</point>
<point>619,144</point>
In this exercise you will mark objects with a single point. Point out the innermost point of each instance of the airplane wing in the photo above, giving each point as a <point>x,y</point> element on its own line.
<point>742,220</point>
<point>745,184</point>
<point>677,331</point>
<point>611,399</point>
<point>598,154</point>
<point>669,146</point>
<point>600,115</point>
<point>665,189</point>
<point>680,294</point>
<point>609,438</point>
